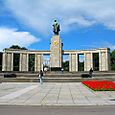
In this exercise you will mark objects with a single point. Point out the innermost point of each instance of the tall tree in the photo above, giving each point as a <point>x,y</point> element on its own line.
<point>113,60</point>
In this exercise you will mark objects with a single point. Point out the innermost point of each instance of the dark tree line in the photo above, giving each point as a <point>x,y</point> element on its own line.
<point>17,47</point>
<point>112,55</point>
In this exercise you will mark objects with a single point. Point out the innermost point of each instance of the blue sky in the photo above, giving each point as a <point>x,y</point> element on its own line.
<point>85,24</point>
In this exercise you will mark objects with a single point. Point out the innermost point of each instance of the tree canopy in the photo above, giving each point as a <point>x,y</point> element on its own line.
<point>112,60</point>
<point>18,47</point>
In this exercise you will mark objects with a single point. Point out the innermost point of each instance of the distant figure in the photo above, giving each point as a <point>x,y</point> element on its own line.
<point>41,76</point>
<point>62,70</point>
<point>56,28</point>
<point>90,72</point>
<point>45,70</point>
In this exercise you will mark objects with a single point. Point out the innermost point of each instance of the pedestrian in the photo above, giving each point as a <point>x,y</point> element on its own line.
<point>90,72</point>
<point>62,70</point>
<point>41,76</point>
<point>45,70</point>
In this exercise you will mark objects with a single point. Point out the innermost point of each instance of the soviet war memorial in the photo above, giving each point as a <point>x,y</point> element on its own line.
<point>57,57</point>
<point>56,53</point>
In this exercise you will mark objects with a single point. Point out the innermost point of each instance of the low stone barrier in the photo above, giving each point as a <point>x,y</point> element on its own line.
<point>85,75</point>
<point>9,75</point>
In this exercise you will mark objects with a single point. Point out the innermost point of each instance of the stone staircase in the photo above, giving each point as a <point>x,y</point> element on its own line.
<point>55,76</point>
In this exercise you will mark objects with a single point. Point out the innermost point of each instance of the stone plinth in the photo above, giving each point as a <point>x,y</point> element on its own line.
<point>56,52</point>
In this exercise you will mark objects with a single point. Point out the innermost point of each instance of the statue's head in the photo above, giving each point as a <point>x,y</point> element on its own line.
<point>55,20</point>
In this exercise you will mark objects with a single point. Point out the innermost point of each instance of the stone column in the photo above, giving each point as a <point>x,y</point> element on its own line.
<point>100,61</point>
<point>77,62</point>
<point>38,62</point>
<point>91,64</point>
<point>88,61</point>
<point>9,62</point>
<point>42,60</point>
<point>23,62</point>
<point>4,62</point>
<point>108,60</point>
<point>27,62</point>
<point>72,62</point>
<point>104,60</point>
<point>20,63</point>
<point>12,62</point>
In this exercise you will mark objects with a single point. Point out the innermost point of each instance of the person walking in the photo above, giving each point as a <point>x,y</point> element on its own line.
<point>41,76</point>
<point>45,70</point>
<point>90,72</point>
<point>62,70</point>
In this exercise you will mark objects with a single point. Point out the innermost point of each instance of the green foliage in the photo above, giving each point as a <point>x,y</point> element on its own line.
<point>23,48</point>
<point>0,61</point>
<point>65,65</point>
<point>18,47</point>
<point>113,60</point>
<point>81,66</point>
<point>31,62</point>
<point>16,62</point>
<point>95,61</point>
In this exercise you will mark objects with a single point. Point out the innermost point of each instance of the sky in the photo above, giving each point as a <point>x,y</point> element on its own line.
<point>84,24</point>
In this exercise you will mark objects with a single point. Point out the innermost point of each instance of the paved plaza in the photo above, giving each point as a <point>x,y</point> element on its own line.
<point>53,94</point>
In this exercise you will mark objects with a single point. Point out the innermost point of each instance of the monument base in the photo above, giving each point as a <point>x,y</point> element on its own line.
<point>55,68</point>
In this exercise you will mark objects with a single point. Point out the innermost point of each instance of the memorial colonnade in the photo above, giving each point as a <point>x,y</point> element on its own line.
<point>104,59</point>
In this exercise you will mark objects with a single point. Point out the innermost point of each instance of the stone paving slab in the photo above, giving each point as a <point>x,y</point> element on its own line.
<point>53,94</point>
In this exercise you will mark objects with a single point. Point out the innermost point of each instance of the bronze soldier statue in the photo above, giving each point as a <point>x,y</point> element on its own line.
<point>56,28</point>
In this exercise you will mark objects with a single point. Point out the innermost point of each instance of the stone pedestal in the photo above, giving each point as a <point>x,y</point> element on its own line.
<point>56,52</point>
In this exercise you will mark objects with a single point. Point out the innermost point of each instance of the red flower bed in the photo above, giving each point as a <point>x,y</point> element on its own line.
<point>98,85</point>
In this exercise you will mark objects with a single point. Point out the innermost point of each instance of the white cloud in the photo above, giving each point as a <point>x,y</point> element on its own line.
<point>109,45</point>
<point>11,36</point>
<point>101,44</point>
<point>39,14</point>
